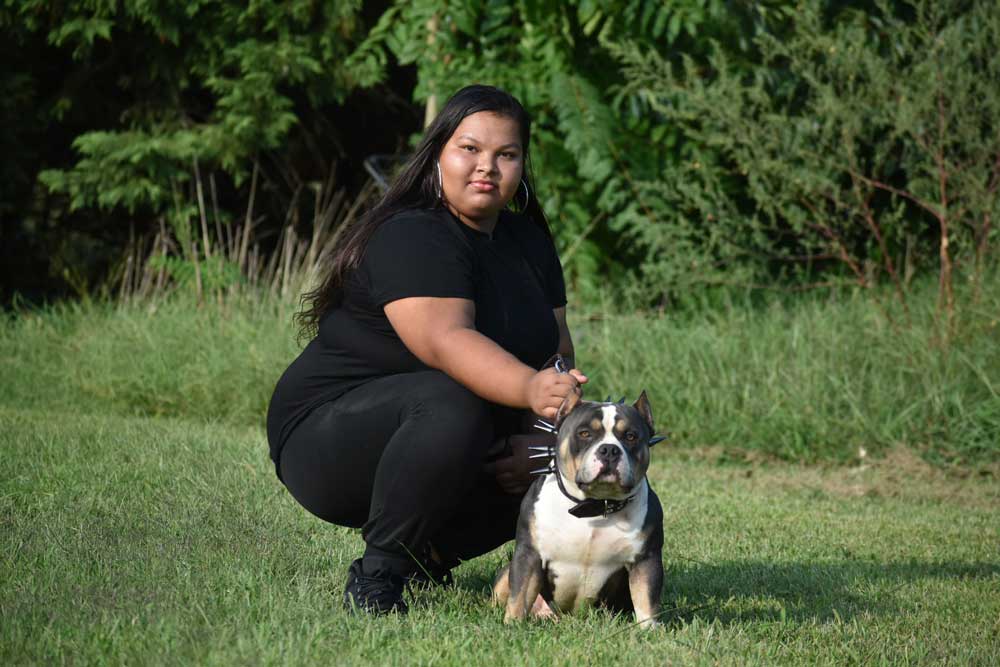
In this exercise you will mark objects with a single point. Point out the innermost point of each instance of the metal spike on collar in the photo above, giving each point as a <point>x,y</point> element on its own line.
<point>542,471</point>
<point>541,452</point>
<point>621,401</point>
<point>543,425</point>
<point>655,439</point>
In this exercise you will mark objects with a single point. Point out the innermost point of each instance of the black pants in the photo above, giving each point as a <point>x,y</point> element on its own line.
<point>402,457</point>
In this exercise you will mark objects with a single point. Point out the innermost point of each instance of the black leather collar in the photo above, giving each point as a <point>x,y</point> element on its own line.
<point>591,507</point>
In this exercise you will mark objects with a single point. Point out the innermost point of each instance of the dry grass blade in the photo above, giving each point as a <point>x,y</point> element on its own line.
<point>229,258</point>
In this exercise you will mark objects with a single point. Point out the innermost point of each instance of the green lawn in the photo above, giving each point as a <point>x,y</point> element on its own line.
<point>137,540</point>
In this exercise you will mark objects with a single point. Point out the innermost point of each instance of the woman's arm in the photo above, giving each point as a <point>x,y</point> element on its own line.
<point>441,333</point>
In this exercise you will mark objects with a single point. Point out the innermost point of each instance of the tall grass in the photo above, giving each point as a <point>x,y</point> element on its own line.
<point>815,378</point>
<point>819,378</point>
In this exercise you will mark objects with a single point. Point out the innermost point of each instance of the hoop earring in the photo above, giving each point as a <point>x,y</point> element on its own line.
<point>440,181</point>
<point>527,196</point>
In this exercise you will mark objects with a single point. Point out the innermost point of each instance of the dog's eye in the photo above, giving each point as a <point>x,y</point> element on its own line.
<point>631,436</point>
<point>584,433</point>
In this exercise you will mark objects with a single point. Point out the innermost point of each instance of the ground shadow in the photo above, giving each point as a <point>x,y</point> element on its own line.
<point>800,590</point>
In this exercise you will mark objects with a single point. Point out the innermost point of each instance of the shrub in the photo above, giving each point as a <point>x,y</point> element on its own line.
<point>864,149</point>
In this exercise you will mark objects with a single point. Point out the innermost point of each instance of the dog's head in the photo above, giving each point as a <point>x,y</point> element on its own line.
<point>603,448</point>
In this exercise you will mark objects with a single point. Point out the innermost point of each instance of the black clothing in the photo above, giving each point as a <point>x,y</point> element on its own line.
<point>364,434</point>
<point>402,456</point>
<point>514,278</point>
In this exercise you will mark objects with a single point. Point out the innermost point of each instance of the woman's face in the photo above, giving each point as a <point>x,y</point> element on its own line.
<point>481,167</point>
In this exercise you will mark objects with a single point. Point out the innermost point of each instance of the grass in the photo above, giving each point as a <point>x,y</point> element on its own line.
<point>819,379</point>
<point>138,540</point>
<point>141,522</point>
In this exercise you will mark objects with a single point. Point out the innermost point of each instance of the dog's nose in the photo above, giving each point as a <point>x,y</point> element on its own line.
<point>610,453</point>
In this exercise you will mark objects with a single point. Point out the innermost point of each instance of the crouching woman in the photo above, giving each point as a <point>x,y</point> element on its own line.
<point>405,413</point>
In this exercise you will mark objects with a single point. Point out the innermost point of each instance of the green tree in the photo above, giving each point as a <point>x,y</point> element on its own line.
<point>214,84</point>
<point>594,142</point>
<point>866,140</point>
<point>153,95</point>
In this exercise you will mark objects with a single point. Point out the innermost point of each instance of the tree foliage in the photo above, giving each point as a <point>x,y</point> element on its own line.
<point>595,142</point>
<point>676,145</point>
<point>114,106</point>
<point>213,81</point>
<point>864,141</point>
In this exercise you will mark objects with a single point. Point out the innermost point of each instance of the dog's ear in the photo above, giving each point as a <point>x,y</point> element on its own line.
<point>567,406</point>
<point>642,405</point>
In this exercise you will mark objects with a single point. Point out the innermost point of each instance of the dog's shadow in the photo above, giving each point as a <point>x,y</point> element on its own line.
<point>735,591</point>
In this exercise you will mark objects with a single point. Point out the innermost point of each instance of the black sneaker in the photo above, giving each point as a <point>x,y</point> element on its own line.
<point>375,595</point>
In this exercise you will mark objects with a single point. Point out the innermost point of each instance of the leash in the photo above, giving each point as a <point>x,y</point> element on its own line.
<point>585,507</point>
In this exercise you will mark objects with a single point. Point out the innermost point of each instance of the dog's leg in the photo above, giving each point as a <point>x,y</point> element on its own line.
<point>501,593</point>
<point>501,586</point>
<point>525,579</point>
<point>645,583</point>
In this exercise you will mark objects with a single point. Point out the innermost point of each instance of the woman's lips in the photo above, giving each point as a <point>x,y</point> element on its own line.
<point>483,186</point>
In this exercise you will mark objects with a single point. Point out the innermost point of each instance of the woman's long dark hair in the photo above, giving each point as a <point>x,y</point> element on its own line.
<point>416,187</point>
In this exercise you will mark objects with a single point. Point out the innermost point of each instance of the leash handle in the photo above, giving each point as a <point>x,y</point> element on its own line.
<point>560,365</point>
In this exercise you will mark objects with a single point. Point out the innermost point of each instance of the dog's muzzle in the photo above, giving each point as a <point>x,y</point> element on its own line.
<point>606,472</point>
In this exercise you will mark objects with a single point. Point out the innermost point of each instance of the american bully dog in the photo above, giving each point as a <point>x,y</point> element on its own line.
<point>591,530</point>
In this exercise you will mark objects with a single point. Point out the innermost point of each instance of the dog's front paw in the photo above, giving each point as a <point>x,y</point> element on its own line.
<point>511,618</point>
<point>649,623</point>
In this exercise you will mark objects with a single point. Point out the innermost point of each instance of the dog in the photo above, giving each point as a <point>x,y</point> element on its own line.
<point>591,532</point>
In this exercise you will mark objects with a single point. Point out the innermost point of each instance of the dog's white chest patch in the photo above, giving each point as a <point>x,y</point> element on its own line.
<point>581,554</point>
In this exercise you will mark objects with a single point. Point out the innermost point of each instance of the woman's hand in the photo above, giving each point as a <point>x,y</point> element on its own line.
<point>548,388</point>
<point>513,473</point>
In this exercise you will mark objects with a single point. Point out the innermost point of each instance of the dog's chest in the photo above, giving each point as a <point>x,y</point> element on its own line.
<point>580,555</point>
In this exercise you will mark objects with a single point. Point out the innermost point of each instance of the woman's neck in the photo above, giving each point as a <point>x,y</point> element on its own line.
<point>483,225</point>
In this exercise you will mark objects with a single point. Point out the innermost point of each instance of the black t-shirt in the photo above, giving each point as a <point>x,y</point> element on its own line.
<point>514,278</point>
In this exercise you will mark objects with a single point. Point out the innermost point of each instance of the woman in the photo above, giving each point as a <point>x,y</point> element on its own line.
<point>405,414</point>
